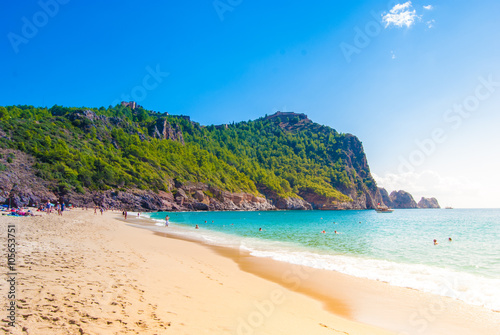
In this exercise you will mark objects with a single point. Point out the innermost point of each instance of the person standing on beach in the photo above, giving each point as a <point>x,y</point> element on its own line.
<point>166,220</point>
<point>125,215</point>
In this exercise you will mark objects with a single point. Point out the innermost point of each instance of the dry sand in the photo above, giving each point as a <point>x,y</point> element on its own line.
<point>90,274</point>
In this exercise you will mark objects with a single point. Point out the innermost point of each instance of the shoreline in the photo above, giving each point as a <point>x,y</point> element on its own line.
<point>93,274</point>
<point>413,262</point>
<point>395,308</point>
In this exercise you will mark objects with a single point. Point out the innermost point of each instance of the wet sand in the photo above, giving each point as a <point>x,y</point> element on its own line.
<point>90,274</point>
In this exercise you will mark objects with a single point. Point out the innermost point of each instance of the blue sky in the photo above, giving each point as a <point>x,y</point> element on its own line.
<point>390,72</point>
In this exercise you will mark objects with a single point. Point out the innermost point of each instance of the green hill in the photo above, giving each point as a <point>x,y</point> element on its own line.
<point>121,156</point>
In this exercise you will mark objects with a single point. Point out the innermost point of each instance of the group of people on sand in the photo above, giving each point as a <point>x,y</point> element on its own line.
<point>100,209</point>
<point>18,212</point>
<point>48,207</point>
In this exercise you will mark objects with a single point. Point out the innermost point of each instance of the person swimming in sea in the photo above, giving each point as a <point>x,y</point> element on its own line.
<point>167,218</point>
<point>436,242</point>
<point>260,229</point>
<point>196,227</point>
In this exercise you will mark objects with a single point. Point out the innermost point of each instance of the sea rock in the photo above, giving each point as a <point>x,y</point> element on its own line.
<point>428,203</point>
<point>402,199</point>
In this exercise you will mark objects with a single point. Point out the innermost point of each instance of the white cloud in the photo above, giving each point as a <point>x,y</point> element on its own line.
<point>393,56</point>
<point>401,15</point>
<point>430,23</point>
<point>428,7</point>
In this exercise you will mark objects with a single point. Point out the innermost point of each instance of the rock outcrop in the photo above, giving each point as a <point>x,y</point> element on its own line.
<point>428,203</point>
<point>402,199</point>
<point>19,185</point>
<point>189,197</point>
<point>293,203</point>
<point>163,130</point>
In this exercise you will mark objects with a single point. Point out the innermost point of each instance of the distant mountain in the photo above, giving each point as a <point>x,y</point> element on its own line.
<point>138,159</point>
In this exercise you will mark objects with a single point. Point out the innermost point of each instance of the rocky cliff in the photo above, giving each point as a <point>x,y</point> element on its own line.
<point>163,130</point>
<point>361,190</point>
<point>386,199</point>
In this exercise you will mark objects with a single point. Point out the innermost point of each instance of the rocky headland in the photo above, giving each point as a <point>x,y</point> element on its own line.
<point>142,160</point>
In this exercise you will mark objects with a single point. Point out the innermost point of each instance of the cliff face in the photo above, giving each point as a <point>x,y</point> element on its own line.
<point>163,130</point>
<point>19,185</point>
<point>361,188</point>
<point>386,199</point>
<point>428,203</point>
<point>363,191</point>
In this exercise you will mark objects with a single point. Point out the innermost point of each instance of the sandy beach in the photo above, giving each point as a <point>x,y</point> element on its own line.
<point>90,274</point>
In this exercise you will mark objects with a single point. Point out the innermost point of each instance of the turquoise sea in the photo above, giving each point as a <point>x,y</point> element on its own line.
<point>393,247</point>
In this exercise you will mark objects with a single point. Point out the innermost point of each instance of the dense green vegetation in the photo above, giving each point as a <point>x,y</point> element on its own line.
<point>114,148</point>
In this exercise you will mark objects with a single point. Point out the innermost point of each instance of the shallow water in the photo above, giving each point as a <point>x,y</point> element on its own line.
<point>393,247</point>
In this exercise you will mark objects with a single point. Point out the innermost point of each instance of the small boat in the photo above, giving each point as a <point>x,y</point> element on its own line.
<point>448,207</point>
<point>383,209</point>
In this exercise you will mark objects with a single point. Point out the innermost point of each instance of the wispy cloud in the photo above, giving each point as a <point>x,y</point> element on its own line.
<point>393,56</point>
<point>428,7</point>
<point>401,15</point>
<point>430,23</point>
